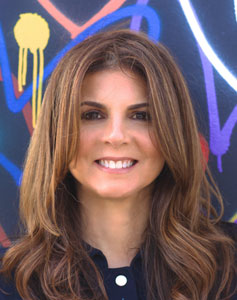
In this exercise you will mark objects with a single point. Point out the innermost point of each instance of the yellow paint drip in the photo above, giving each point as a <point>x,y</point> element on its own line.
<point>32,33</point>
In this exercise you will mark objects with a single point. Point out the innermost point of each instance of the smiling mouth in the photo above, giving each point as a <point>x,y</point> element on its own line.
<point>116,165</point>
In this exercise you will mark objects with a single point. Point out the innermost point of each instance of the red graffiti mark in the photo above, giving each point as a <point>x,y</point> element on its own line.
<point>27,110</point>
<point>4,241</point>
<point>205,148</point>
<point>27,113</point>
<point>70,26</point>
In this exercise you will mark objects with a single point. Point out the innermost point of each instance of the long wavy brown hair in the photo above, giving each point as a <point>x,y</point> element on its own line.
<point>185,253</point>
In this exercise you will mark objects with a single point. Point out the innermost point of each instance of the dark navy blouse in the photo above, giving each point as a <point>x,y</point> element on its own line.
<point>125,283</point>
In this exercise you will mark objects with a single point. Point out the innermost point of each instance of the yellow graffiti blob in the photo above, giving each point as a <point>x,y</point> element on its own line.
<point>32,33</point>
<point>234,218</point>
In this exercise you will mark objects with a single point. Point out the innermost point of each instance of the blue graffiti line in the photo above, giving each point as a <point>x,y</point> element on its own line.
<point>14,171</point>
<point>219,138</point>
<point>16,105</point>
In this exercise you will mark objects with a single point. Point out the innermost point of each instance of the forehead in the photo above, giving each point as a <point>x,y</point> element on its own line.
<point>121,86</point>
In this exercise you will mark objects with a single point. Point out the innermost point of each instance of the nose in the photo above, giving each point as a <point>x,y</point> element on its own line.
<point>115,131</point>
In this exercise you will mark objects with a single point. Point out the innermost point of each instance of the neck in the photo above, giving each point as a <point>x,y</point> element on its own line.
<point>115,226</point>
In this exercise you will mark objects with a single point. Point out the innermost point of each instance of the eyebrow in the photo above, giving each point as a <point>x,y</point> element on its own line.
<point>101,106</point>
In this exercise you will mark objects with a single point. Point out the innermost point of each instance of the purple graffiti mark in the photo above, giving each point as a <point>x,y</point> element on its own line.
<point>201,39</point>
<point>136,20</point>
<point>219,138</point>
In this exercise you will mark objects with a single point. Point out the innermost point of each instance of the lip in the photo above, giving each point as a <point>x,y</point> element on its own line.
<point>116,158</point>
<point>115,171</point>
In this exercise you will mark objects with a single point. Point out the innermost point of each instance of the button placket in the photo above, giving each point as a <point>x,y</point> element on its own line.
<point>120,283</point>
<point>121,280</point>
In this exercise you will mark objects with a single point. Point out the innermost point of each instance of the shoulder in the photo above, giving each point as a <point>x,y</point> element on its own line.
<point>7,287</point>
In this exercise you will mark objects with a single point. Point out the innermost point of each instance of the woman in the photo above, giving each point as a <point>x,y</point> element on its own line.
<point>116,195</point>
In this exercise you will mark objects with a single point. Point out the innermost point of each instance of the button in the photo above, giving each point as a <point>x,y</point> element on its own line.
<point>121,280</point>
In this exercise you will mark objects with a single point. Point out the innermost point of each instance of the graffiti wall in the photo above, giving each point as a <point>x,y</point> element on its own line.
<point>34,35</point>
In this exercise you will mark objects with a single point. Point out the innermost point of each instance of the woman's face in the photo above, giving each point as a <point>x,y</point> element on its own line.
<point>113,135</point>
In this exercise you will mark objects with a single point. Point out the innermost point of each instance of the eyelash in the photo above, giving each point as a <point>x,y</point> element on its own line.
<point>91,113</point>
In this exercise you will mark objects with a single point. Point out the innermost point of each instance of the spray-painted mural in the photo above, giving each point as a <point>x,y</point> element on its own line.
<point>34,35</point>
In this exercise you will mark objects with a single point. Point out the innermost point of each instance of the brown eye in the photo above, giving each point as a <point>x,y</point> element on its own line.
<point>91,115</point>
<point>142,115</point>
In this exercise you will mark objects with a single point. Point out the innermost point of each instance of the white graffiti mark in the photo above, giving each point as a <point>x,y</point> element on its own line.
<point>205,46</point>
<point>235,7</point>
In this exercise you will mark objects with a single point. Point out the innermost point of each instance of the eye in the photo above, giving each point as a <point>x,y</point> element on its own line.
<point>142,115</point>
<point>91,115</point>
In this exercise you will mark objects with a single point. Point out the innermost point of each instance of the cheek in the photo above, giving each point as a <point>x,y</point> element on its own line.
<point>90,132</point>
<point>85,145</point>
<point>148,144</point>
<point>87,141</point>
<point>153,155</point>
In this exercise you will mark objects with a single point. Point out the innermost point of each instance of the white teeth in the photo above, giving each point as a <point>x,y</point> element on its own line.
<point>124,164</point>
<point>119,164</point>
<point>116,165</point>
<point>112,165</point>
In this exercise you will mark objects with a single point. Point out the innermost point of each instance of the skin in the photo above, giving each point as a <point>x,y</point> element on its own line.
<point>115,206</point>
